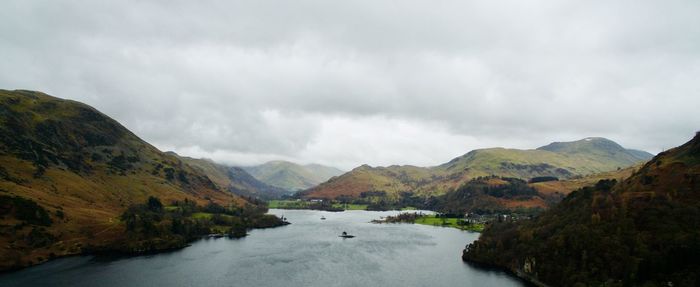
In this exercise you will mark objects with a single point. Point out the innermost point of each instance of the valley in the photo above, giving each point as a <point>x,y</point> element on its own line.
<point>290,176</point>
<point>349,143</point>
<point>307,252</point>
<point>75,182</point>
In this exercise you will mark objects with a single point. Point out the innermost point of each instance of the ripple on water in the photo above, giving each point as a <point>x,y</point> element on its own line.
<point>306,253</point>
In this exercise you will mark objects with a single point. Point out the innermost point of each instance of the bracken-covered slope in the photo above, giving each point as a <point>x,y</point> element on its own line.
<point>498,195</point>
<point>488,195</point>
<point>562,160</point>
<point>392,180</point>
<point>560,188</point>
<point>68,171</point>
<point>235,179</point>
<point>644,230</point>
<point>291,176</point>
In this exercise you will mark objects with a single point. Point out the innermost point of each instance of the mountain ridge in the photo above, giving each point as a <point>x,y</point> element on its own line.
<point>292,176</point>
<point>563,160</point>
<point>235,179</point>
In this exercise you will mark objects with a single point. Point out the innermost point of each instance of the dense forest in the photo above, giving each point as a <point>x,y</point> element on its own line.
<point>644,230</point>
<point>151,226</point>
<point>485,195</point>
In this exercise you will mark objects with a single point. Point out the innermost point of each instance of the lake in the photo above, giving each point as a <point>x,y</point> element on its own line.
<point>306,253</point>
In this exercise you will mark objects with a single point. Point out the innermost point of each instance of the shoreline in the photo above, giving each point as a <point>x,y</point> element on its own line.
<point>525,278</point>
<point>426,224</point>
<point>432,220</point>
<point>112,250</point>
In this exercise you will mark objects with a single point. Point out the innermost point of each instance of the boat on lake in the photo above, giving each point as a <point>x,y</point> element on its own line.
<point>323,218</point>
<point>346,235</point>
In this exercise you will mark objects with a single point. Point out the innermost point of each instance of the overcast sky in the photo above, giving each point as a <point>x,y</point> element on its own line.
<point>350,82</point>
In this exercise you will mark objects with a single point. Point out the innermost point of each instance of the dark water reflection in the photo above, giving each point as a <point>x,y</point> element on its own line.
<point>306,253</point>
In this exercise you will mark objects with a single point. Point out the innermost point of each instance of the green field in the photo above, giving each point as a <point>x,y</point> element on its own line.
<point>350,206</point>
<point>287,204</point>
<point>302,204</point>
<point>201,215</point>
<point>448,222</point>
<point>171,208</point>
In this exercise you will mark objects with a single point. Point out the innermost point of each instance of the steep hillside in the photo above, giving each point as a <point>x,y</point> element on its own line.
<point>597,146</point>
<point>562,160</point>
<point>392,180</point>
<point>235,179</point>
<point>67,172</point>
<point>487,195</point>
<point>291,176</point>
<point>494,194</point>
<point>644,230</point>
<point>561,188</point>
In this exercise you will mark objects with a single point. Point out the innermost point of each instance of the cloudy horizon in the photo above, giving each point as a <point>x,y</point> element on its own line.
<point>365,82</point>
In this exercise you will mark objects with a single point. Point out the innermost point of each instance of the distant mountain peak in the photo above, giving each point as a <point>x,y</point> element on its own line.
<point>583,145</point>
<point>363,166</point>
<point>598,145</point>
<point>292,176</point>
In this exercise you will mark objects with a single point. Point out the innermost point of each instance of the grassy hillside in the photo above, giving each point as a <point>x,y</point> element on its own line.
<point>560,159</point>
<point>291,176</point>
<point>235,179</point>
<point>598,146</point>
<point>566,160</point>
<point>561,188</point>
<point>392,180</point>
<point>73,171</point>
<point>642,231</point>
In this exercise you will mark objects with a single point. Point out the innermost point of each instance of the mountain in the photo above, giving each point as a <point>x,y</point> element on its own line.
<point>643,230</point>
<point>235,179</point>
<point>391,180</point>
<point>291,176</point>
<point>601,147</point>
<point>488,195</point>
<point>560,159</point>
<point>557,189</point>
<point>68,172</point>
<point>564,160</point>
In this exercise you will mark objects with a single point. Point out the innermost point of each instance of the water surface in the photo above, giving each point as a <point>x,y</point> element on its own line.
<point>306,253</point>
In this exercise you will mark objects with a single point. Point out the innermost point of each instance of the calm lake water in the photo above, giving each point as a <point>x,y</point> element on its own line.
<point>306,253</point>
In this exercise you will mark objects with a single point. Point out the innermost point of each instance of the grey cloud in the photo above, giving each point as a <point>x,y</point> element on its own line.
<point>315,80</point>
